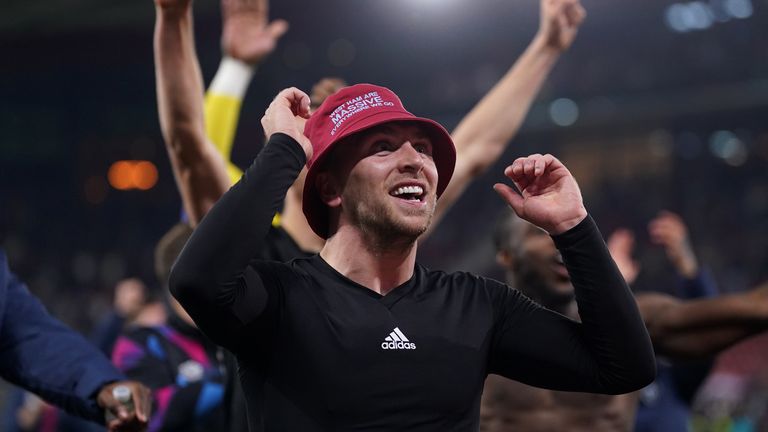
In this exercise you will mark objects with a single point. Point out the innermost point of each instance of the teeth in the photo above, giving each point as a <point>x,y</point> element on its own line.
<point>408,190</point>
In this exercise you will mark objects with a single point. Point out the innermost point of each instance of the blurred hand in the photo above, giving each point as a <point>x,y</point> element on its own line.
<point>129,298</point>
<point>559,22</point>
<point>669,231</point>
<point>621,244</point>
<point>281,116</point>
<point>324,88</point>
<point>549,196</point>
<point>29,413</point>
<point>126,420</point>
<point>247,35</point>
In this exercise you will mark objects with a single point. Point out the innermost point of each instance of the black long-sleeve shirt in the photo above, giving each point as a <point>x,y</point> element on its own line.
<point>319,352</point>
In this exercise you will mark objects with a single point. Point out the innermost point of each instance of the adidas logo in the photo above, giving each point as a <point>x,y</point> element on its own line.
<point>397,340</point>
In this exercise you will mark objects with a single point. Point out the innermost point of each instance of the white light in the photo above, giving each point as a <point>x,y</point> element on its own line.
<point>564,112</point>
<point>697,15</point>
<point>674,17</point>
<point>727,146</point>
<point>738,8</point>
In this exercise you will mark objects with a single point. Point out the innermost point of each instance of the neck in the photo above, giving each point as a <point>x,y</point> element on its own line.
<point>368,261</point>
<point>292,220</point>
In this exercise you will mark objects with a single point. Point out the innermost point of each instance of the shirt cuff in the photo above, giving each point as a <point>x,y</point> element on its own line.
<point>585,229</point>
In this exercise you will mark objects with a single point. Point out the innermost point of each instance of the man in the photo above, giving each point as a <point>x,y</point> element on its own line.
<point>678,329</point>
<point>359,336</point>
<point>40,354</point>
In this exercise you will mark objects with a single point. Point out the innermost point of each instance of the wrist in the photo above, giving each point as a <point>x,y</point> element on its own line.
<point>568,223</point>
<point>173,13</point>
<point>232,78</point>
<point>543,45</point>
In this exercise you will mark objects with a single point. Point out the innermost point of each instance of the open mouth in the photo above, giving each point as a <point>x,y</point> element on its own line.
<point>413,193</point>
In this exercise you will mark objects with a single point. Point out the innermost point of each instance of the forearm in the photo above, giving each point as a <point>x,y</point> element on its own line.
<point>200,172</point>
<point>485,131</point>
<point>482,135</point>
<point>702,343</point>
<point>208,278</point>
<point>746,310</point>
<point>45,357</point>
<point>612,327</point>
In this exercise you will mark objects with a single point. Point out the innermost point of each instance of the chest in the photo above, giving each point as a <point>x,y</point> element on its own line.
<point>357,353</point>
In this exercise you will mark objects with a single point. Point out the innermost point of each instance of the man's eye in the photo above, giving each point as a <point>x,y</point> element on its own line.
<point>383,146</point>
<point>423,148</point>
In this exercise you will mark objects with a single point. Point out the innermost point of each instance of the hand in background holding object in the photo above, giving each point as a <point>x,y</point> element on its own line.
<point>124,417</point>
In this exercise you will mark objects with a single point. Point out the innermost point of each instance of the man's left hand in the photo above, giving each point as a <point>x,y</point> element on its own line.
<point>549,196</point>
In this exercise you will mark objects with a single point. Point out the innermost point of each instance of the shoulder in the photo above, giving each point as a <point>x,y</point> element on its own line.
<point>461,280</point>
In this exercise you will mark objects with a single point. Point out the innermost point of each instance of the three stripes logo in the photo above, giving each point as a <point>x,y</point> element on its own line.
<point>397,341</point>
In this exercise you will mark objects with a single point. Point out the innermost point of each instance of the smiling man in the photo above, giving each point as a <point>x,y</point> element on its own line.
<point>361,337</point>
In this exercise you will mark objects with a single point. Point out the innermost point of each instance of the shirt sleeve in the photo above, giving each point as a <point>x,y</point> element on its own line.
<point>701,285</point>
<point>609,351</point>
<point>212,277</point>
<point>42,355</point>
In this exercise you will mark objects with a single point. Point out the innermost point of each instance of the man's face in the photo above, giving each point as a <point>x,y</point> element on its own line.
<point>539,269</point>
<point>388,181</point>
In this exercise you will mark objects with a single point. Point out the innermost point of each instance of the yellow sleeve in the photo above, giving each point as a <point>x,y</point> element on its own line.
<point>221,115</point>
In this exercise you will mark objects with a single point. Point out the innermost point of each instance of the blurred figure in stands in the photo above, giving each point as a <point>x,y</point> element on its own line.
<point>678,329</point>
<point>665,404</point>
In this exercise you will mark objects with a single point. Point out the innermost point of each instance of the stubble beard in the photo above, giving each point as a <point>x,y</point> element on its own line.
<point>385,229</point>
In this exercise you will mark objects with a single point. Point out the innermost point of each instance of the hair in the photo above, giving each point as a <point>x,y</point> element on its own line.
<point>168,249</point>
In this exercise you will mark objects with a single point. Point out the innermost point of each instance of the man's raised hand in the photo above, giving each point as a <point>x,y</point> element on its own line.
<point>559,22</point>
<point>549,196</point>
<point>247,35</point>
<point>281,115</point>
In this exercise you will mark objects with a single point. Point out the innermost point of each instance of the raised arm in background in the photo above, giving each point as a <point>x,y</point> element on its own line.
<point>483,134</point>
<point>200,170</point>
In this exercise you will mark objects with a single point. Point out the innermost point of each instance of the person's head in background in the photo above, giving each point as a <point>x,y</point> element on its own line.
<point>532,262</point>
<point>167,250</point>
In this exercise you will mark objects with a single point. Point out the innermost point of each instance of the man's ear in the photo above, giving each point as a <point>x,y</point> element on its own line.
<point>505,259</point>
<point>329,190</point>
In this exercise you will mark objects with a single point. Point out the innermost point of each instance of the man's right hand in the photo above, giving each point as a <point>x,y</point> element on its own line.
<point>281,115</point>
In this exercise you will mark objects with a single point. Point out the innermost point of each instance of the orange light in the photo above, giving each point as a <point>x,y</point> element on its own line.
<point>144,175</point>
<point>128,175</point>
